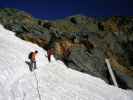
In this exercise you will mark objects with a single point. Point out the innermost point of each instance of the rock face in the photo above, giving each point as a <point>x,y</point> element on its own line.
<point>81,42</point>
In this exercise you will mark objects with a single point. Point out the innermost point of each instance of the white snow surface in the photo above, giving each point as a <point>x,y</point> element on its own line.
<point>50,81</point>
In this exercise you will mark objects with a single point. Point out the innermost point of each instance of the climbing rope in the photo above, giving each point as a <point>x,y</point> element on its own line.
<point>37,87</point>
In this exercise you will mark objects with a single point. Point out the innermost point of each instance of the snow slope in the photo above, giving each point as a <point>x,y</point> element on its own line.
<point>51,81</point>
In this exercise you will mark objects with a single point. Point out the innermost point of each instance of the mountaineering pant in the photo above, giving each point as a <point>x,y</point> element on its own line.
<point>49,58</point>
<point>33,65</point>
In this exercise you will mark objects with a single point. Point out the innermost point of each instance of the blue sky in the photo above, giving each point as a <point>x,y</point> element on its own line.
<point>56,9</point>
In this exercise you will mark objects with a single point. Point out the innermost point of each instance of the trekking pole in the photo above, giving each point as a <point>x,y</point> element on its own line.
<point>111,72</point>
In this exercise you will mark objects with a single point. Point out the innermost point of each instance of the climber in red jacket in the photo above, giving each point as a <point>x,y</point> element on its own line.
<point>49,53</point>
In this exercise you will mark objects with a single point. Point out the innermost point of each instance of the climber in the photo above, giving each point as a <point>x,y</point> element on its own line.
<point>49,53</point>
<point>32,57</point>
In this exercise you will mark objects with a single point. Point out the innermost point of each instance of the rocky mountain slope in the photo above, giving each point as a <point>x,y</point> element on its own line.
<point>89,39</point>
<point>50,81</point>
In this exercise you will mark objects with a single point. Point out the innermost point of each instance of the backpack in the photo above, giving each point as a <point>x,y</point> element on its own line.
<point>30,55</point>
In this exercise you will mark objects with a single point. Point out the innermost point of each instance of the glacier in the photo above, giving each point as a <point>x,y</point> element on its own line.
<point>50,81</point>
